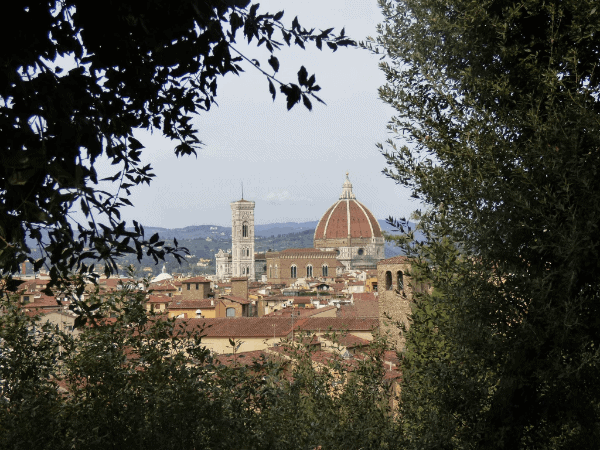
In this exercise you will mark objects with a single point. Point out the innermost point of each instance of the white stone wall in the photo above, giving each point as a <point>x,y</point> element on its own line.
<point>351,258</point>
<point>223,265</point>
<point>242,247</point>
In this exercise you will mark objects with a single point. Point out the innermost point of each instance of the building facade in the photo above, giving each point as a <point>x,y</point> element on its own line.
<point>224,265</point>
<point>287,266</point>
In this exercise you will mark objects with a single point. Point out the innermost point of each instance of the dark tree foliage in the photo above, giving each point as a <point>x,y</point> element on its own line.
<point>77,77</point>
<point>149,383</point>
<point>498,103</point>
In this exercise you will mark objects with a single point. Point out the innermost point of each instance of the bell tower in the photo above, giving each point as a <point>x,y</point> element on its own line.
<point>242,239</point>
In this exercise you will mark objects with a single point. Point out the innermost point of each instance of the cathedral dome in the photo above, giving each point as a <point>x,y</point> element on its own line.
<point>347,223</point>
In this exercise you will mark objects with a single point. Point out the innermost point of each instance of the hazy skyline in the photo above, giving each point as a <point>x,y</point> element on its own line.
<point>292,164</point>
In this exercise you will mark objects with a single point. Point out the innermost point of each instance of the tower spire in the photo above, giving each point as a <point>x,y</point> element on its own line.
<point>347,189</point>
<point>242,190</point>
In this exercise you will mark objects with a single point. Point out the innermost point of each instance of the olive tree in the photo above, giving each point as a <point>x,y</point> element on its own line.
<point>497,131</point>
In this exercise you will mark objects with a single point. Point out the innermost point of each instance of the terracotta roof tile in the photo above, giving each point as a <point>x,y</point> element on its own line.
<point>299,312</point>
<point>339,324</point>
<point>395,260</point>
<point>233,298</point>
<point>159,299</point>
<point>350,341</point>
<point>240,327</point>
<point>334,223</point>
<point>163,287</point>
<point>300,250</point>
<point>191,304</point>
<point>360,309</point>
<point>366,296</point>
<point>196,280</point>
<point>246,358</point>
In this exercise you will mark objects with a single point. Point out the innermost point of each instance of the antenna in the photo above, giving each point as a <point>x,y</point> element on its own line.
<point>242,190</point>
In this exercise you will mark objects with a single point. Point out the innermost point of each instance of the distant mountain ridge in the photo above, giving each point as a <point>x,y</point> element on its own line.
<point>262,230</point>
<point>205,240</point>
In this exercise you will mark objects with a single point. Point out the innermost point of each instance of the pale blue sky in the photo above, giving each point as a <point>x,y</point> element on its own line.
<point>292,163</point>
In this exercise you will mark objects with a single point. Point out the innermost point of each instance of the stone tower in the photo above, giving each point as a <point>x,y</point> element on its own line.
<point>242,239</point>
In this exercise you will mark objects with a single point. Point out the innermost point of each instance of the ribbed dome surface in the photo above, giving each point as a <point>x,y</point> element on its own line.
<point>347,218</point>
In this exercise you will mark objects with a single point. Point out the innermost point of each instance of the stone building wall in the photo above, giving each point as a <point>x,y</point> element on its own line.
<point>239,287</point>
<point>227,304</point>
<point>223,265</point>
<point>279,264</point>
<point>260,265</point>
<point>195,288</point>
<point>395,297</point>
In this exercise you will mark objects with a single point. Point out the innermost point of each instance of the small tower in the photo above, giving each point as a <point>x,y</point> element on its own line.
<point>347,190</point>
<point>242,238</point>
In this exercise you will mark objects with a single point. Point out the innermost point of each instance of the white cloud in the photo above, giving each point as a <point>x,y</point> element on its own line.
<point>284,196</point>
<point>278,196</point>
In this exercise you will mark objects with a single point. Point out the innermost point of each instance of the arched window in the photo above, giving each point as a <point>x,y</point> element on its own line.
<point>293,272</point>
<point>400,280</point>
<point>388,280</point>
<point>230,312</point>
<point>361,251</point>
<point>309,271</point>
<point>270,271</point>
<point>325,270</point>
<point>245,229</point>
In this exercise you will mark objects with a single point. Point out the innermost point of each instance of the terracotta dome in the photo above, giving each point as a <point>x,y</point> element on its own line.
<point>347,223</point>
